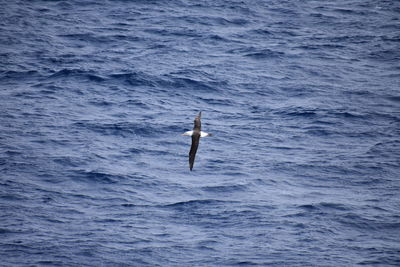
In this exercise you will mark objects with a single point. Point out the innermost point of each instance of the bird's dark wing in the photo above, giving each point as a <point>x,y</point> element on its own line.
<point>197,123</point>
<point>193,149</point>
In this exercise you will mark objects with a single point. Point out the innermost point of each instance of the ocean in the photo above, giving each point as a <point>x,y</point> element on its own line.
<point>302,99</point>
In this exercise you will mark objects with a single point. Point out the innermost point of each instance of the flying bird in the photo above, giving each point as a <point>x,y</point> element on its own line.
<point>196,133</point>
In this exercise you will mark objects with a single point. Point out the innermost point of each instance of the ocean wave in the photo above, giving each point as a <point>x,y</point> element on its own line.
<point>225,188</point>
<point>197,203</point>
<point>96,177</point>
<point>76,73</point>
<point>135,79</point>
<point>124,129</point>
<point>10,75</point>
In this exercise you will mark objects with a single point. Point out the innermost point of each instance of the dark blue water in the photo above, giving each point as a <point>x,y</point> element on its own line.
<point>303,99</point>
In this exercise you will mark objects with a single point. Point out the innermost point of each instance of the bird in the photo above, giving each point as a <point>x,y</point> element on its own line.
<point>196,133</point>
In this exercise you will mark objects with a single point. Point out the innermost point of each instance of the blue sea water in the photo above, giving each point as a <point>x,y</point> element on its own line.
<point>302,99</point>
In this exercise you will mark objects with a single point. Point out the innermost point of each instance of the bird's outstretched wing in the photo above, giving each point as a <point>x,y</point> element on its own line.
<point>193,149</point>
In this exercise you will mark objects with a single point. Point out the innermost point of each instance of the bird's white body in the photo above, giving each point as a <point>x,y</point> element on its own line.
<point>202,134</point>
<point>188,133</point>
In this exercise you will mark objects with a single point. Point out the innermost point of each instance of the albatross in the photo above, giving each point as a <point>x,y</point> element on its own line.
<point>196,133</point>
